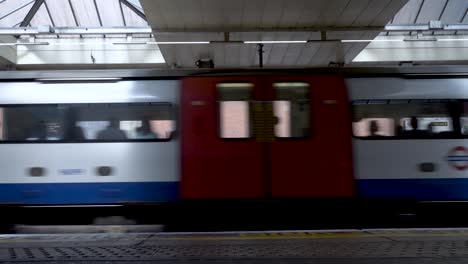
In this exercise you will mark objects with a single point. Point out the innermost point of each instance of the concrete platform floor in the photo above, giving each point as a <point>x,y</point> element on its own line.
<point>403,246</point>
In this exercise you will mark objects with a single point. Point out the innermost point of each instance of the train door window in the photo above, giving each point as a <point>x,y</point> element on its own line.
<point>292,109</point>
<point>234,109</point>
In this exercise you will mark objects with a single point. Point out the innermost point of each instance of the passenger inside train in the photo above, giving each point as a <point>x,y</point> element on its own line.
<point>144,131</point>
<point>388,119</point>
<point>112,131</point>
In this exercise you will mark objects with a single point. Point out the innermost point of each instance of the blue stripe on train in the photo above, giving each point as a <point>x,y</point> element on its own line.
<point>421,189</point>
<point>89,193</point>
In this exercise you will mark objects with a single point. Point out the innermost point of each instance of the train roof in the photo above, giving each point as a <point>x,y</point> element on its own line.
<point>404,72</point>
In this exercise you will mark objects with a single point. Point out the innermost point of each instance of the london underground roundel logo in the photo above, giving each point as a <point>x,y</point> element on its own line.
<point>458,158</point>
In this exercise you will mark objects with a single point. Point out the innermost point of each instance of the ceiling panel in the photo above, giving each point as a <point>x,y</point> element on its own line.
<point>408,14</point>
<point>431,10</point>
<point>132,19</point>
<point>245,15</point>
<point>421,12</point>
<point>352,10</point>
<point>61,13</point>
<point>86,13</point>
<point>13,12</point>
<point>454,11</point>
<point>110,12</point>
<point>41,18</point>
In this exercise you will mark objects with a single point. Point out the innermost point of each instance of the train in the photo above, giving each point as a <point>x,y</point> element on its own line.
<point>112,137</point>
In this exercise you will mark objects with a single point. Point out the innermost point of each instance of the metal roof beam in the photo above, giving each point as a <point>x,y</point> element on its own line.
<point>148,30</point>
<point>134,9</point>
<point>75,30</point>
<point>32,12</point>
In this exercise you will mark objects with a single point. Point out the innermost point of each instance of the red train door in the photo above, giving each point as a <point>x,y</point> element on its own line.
<point>220,159</point>
<point>311,156</point>
<point>260,137</point>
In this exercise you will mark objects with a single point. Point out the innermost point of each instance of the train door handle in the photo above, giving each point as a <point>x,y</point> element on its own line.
<point>427,167</point>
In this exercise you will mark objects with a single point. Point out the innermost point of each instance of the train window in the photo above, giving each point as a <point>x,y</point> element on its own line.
<point>292,109</point>
<point>234,109</point>
<point>87,122</point>
<point>367,127</point>
<point>33,123</point>
<point>125,122</point>
<point>404,118</point>
<point>464,119</point>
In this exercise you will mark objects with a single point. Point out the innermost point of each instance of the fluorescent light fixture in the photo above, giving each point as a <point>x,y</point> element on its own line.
<point>420,40</point>
<point>78,79</point>
<point>130,43</point>
<point>176,42</point>
<point>235,85</point>
<point>370,40</point>
<point>24,43</point>
<point>80,43</point>
<point>275,41</point>
<point>290,84</point>
<point>452,39</point>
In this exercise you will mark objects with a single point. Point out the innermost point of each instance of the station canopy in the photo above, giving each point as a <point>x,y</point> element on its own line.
<point>47,34</point>
<point>76,32</point>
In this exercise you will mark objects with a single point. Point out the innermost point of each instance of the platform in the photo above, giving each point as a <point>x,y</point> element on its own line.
<point>338,246</point>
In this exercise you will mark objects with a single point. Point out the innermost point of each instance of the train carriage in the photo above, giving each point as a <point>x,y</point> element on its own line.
<point>119,137</point>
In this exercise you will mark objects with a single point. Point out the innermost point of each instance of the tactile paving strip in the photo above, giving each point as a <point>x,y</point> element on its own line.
<point>259,249</point>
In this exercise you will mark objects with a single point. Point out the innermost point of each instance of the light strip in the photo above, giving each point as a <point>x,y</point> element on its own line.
<point>78,79</point>
<point>130,43</point>
<point>461,39</point>
<point>24,43</point>
<point>176,42</point>
<point>370,40</point>
<point>275,41</point>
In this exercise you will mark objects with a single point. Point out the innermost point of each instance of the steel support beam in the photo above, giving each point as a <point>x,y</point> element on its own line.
<point>148,30</point>
<point>134,9</point>
<point>37,4</point>
<point>75,30</point>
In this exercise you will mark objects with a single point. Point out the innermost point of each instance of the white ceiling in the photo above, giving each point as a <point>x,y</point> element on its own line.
<point>264,15</point>
<point>421,12</point>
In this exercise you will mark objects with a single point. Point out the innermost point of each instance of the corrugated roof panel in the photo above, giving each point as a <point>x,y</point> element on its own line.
<point>110,13</point>
<point>132,18</point>
<point>371,12</point>
<point>137,4</point>
<point>326,53</point>
<point>270,14</point>
<point>61,13</point>
<point>41,17</point>
<point>308,52</point>
<point>290,12</point>
<point>430,10</point>
<point>190,13</point>
<point>351,12</point>
<point>408,14</point>
<point>253,13</point>
<point>454,11</point>
<point>248,56</point>
<point>11,17</point>
<point>86,13</point>
<point>333,12</point>
<point>311,11</point>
